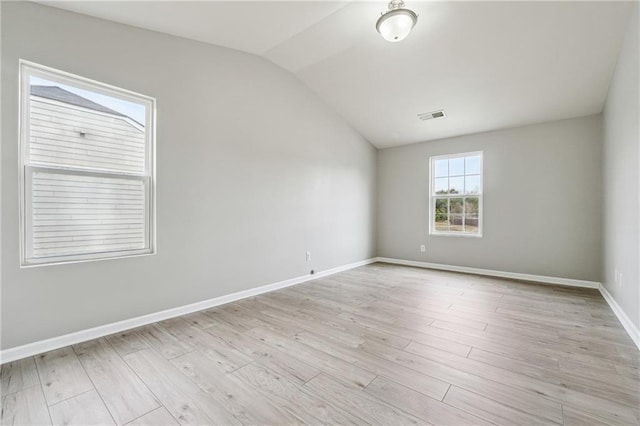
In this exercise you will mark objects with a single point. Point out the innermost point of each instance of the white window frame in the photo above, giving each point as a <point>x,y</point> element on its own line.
<point>433,196</point>
<point>28,69</point>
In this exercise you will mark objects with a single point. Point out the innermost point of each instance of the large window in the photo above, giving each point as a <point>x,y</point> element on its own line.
<point>456,194</point>
<point>87,168</point>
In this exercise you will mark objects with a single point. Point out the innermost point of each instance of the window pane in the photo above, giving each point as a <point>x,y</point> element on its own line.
<point>441,214</point>
<point>472,184</point>
<point>471,216</point>
<point>74,127</point>
<point>472,205</point>
<point>441,206</point>
<point>84,214</point>
<point>456,210</point>
<point>456,185</point>
<point>456,205</point>
<point>456,222</point>
<point>441,185</point>
<point>441,168</point>
<point>471,223</point>
<point>456,166</point>
<point>472,165</point>
<point>442,225</point>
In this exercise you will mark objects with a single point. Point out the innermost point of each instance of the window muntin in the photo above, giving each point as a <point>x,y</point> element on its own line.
<point>87,169</point>
<point>456,194</point>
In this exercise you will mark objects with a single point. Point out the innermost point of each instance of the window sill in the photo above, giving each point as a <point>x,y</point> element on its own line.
<point>452,234</point>
<point>30,263</point>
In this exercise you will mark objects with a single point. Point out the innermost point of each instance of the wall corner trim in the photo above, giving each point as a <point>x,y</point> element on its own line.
<point>626,322</point>
<point>492,273</point>
<point>41,346</point>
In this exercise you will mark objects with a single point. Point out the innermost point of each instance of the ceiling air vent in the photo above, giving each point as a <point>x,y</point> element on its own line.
<point>431,115</point>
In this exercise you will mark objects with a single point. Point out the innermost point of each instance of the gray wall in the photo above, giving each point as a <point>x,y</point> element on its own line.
<point>542,201</point>
<point>621,152</point>
<point>253,170</point>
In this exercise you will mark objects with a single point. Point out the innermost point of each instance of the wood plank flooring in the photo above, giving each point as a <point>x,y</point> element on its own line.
<point>381,344</point>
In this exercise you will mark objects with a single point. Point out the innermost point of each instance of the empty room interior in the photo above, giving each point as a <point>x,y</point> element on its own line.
<point>320,212</point>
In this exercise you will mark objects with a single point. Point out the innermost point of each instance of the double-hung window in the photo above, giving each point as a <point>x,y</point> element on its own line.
<point>456,194</point>
<point>87,169</point>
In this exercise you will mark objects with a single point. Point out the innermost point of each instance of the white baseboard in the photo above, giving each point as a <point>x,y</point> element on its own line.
<point>626,322</point>
<point>492,273</point>
<point>35,348</point>
<point>41,346</point>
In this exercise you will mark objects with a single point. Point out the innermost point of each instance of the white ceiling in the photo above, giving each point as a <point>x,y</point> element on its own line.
<point>489,65</point>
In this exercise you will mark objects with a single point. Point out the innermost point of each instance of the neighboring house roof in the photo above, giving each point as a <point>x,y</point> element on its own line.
<point>57,94</point>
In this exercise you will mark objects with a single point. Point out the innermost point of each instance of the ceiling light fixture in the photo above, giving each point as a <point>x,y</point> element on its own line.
<point>396,23</point>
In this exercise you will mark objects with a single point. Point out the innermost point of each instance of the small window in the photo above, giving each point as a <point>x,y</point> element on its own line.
<point>456,194</point>
<point>87,169</point>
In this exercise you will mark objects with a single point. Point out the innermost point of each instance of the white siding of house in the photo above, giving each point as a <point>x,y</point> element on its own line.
<point>78,212</point>
<point>111,143</point>
<point>85,214</point>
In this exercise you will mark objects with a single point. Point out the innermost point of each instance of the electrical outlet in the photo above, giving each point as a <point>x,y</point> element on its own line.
<point>620,280</point>
<point>423,248</point>
<point>308,256</point>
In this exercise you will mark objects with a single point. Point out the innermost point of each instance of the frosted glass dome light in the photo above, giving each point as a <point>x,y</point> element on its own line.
<point>396,24</point>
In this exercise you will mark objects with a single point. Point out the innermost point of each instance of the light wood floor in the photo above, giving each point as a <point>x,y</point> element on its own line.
<point>381,344</point>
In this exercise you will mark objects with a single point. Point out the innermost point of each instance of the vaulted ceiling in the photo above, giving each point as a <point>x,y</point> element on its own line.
<point>489,65</point>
